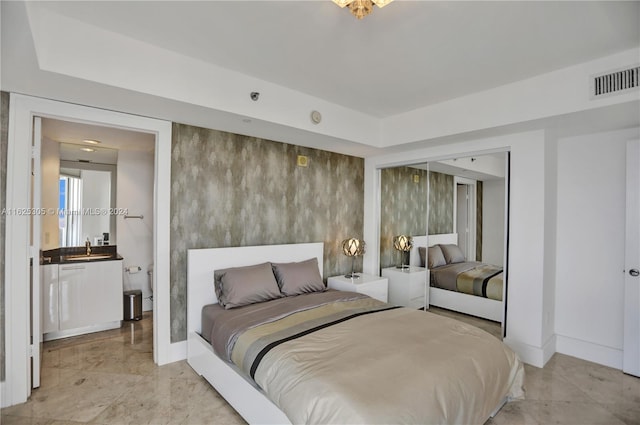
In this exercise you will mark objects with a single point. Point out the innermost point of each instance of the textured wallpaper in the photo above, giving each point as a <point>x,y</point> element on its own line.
<point>440,203</point>
<point>234,190</point>
<point>4,140</point>
<point>403,208</point>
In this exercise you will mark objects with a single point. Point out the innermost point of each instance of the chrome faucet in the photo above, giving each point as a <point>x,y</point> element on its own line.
<point>88,245</point>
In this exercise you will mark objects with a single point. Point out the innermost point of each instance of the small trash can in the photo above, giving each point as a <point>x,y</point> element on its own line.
<point>133,305</point>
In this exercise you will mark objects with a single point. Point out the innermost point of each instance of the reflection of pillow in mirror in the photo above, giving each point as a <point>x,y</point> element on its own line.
<point>435,257</point>
<point>238,286</point>
<point>423,254</point>
<point>298,278</point>
<point>452,253</point>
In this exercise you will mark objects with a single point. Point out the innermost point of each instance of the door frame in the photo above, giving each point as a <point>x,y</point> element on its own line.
<point>472,205</point>
<point>631,323</point>
<point>22,109</point>
<point>35,202</point>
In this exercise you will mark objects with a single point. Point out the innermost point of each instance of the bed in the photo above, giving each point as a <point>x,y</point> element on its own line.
<point>344,359</point>
<point>465,286</point>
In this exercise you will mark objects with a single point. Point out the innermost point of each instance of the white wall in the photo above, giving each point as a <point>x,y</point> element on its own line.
<point>96,194</point>
<point>550,239</point>
<point>135,236</point>
<point>50,172</point>
<point>590,249</point>
<point>526,250</point>
<point>493,221</point>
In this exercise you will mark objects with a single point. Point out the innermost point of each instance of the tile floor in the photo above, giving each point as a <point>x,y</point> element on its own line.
<point>110,378</point>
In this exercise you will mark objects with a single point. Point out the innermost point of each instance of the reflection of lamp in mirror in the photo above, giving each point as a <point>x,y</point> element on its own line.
<point>353,248</point>
<point>403,244</point>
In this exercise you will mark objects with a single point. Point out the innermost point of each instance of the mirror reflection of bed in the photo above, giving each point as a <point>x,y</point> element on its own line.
<point>454,209</point>
<point>470,287</point>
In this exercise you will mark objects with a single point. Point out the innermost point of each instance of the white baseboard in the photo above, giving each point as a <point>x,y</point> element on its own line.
<point>527,353</point>
<point>589,351</point>
<point>549,349</point>
<point>535,356</point>
<point>3,399</point>
<point>177,351</point>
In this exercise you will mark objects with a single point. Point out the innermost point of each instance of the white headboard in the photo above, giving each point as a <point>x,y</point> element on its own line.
<point>431,240</point>
<point>445,238</point>
<point>201,264</point>
<point>414,257</point>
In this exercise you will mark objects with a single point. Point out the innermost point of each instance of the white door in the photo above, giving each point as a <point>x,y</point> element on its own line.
<point>464,209</point>
<point>462,218</point>
<point>34,241</point>
<point>631,344</point>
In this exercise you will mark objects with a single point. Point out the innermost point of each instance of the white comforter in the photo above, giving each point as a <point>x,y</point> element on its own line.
<point>394,366</point>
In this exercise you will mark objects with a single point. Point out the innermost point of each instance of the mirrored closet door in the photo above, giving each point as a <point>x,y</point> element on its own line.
<point>444,223</point>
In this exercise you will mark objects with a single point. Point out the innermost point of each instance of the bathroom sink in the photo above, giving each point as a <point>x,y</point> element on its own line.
<point>84,257</point>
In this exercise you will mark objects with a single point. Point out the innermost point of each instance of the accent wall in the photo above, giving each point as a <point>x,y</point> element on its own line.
<point>234,190</point>
<point>403,208</point>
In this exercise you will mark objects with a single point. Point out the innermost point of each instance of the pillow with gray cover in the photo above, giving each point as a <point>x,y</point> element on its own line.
<point>298,278</point>
<point>452,253</point>
<point>436,257</point>
<point>422,251</point>
<point>238,286</point>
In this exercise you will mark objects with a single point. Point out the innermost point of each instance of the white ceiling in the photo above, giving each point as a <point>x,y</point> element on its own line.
<point>408,55</point>
<point>72,136</point>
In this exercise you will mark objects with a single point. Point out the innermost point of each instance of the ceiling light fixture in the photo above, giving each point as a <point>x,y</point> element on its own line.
<point>92,142</point>
<point>361,8</point>
<point>87,149</point>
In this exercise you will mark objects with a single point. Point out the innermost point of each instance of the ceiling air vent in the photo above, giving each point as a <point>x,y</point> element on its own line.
<point>614,82</point>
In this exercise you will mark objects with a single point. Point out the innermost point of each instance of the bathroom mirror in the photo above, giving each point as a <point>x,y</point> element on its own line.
<point>91,189</point>
<point>78,191</point>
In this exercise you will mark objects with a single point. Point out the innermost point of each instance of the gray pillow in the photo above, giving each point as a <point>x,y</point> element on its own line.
<point>436,257</point>
<point>298,278</point>
<point>423,255</point>
<point>238,286</point>
<point>452,253</point>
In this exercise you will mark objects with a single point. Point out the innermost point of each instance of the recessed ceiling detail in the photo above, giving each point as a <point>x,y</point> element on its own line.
<point>502,42</point>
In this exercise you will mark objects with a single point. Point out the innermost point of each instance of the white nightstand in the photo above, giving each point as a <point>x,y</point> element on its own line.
<point>408,287</point>
<point>374,286</point>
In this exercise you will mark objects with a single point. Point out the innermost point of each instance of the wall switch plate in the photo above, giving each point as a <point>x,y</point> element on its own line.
<point>416,178</point>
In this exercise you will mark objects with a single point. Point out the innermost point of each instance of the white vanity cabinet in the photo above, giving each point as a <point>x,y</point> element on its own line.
<point>73,296</point>
<point>88,298</point>
<point>49,294</point>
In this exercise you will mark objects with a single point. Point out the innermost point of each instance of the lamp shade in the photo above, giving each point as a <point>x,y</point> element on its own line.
<point>353,247</point>
<point>403,243</point>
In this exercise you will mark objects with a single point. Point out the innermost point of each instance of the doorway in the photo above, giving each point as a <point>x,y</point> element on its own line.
<point>99,182</point>
<point>464,211</point>
<point>100,169</point>
<point>18,309</point>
